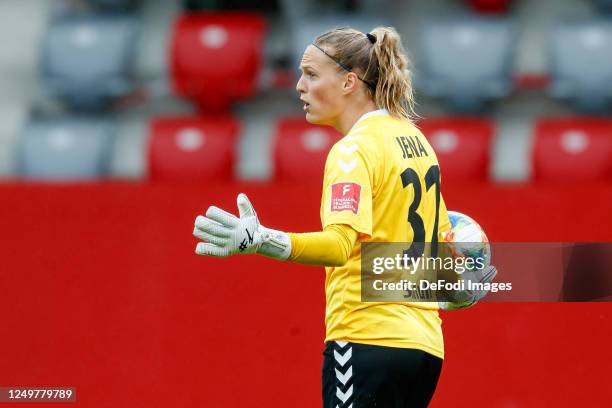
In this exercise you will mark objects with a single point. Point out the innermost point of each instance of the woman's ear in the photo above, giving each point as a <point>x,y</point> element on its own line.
<point>350,83</point>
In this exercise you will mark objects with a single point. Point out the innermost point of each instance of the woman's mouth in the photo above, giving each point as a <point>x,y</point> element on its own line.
<point>306,105</point>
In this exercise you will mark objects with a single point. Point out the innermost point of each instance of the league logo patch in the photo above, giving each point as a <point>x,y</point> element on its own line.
<point>345,197</point>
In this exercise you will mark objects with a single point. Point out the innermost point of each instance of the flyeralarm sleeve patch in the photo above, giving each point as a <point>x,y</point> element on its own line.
<point>345,197</point>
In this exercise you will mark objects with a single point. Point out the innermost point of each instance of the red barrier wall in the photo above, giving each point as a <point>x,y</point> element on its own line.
<point>100,289</point>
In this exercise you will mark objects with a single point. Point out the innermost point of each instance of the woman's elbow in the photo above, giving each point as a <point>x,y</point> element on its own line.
<point>339,260</point>
<point>335,263</point>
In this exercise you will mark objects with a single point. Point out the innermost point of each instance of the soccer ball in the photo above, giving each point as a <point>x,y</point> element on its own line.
<point>467,239</point>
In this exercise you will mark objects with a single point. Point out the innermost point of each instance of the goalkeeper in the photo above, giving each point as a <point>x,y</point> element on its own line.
<point>381,184</point>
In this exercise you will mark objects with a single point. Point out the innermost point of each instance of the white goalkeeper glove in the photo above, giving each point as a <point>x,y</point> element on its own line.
<point>461,299</point>
<point>224,234</point>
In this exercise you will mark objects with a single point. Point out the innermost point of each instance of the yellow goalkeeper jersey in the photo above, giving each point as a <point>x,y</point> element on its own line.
<point>383,180</point>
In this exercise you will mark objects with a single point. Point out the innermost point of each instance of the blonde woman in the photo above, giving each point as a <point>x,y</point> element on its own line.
<point>381,184</point>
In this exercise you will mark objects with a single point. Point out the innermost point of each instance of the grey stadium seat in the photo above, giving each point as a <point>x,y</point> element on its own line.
<point>581,64</point>
<point>306,30</point>
<point>87,60</point>
<point>466,60</point>
<point>65,148</point>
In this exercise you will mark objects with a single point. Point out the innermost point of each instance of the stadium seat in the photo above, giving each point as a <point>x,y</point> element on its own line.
<point>192,148</point>
<point>572,149</point>
<point>305,30</point>
<point>65,148</point>
<point>463,146</point>
<point>466,61</point>
<point>578,67</point>
<point>490,6</point>
<point>87,59</point>
<point>216,57</point>
<point>300,149</point>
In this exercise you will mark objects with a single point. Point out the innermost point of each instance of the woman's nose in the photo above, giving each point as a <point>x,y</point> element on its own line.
<point>300,85</point>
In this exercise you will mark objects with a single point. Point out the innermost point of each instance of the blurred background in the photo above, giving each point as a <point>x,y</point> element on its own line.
<point>148,89</point>
<point>121,120</point>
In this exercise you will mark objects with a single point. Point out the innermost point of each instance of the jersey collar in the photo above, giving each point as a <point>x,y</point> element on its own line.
<point>378,112</point>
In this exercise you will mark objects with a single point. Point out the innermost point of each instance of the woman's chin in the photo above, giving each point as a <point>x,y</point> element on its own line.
<point>313,119</point>
<point>310,118</point>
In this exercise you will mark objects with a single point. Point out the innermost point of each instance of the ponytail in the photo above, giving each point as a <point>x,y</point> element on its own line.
<point>394,86</point>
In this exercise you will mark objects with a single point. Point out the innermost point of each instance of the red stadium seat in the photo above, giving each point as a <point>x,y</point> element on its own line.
<point>463,146</point>
<point>300,149</point>
<point>572,149</point>
<point>216,57</point>
<point>490,6</point>
<point>192,148</point>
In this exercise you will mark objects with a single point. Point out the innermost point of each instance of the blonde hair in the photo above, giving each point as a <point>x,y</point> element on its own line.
<point>382,62</point>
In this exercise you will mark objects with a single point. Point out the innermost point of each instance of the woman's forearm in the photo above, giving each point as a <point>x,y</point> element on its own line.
<point>330,247</point>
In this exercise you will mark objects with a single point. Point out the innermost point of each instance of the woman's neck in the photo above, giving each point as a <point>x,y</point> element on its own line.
<point>351,115</point>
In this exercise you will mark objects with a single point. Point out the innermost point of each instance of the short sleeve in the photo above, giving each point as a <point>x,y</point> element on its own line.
<point>348,186</point>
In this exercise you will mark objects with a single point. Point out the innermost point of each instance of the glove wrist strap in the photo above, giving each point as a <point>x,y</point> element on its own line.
<point>274,244</point>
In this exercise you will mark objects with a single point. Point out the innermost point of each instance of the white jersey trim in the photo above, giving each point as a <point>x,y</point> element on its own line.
<point>378,112</point>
